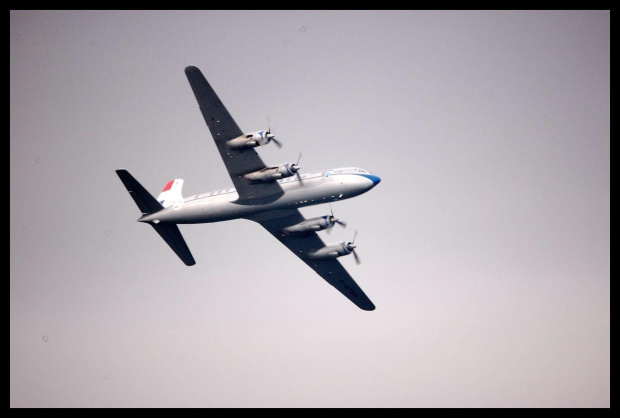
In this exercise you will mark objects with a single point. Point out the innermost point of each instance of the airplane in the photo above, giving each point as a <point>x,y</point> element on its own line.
<point>268,195</point>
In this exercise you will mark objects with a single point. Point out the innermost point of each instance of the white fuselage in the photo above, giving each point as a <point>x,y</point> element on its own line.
<point>317,188</point>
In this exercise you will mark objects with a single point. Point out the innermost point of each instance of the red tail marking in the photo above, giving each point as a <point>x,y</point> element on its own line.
<point>168,186</point>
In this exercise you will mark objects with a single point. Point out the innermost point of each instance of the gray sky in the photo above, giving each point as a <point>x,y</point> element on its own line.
<point>486,247</point>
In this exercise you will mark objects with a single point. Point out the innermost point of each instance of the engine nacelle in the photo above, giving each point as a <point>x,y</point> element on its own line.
<point>270,174</point>
<point>251,140</point>
<point>337,249</point>
<point>333,250</point>
<point>310,225</point>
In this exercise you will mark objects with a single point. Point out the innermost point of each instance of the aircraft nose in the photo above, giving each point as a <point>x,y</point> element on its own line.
<point>375,179</point>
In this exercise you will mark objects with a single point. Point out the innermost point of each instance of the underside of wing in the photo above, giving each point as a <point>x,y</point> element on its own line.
<point>301,244</point>
<point>224,128</point>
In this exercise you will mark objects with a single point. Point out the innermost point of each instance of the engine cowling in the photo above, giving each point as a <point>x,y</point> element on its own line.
<point>336,250</point>
<point>333,250</point>
<point>310,225</point>
<point>251,140</point>
<point>270,174</point>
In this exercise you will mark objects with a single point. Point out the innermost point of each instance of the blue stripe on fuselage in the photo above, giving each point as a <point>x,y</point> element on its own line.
<point>375,179</point>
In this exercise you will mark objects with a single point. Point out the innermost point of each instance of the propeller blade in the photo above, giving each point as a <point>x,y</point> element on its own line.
<point>278,143</point>
<point>357,259</point>
<point>272,137</point>
<point>334,219</point>
<point>297,170</point>
<point>354,236</point>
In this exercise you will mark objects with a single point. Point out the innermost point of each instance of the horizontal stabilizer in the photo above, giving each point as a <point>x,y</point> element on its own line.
<point>145,201</point>
<point>147,204</point>
<point>171,234</point>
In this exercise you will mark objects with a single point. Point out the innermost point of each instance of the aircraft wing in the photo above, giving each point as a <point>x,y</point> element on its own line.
<point>300,244</point>
<point>224,128</point>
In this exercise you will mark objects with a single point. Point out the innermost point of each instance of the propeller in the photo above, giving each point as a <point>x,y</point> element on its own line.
<point>295,169</point>
<point>334,220</point>
<point>352,247</point>
<point>272,137</point>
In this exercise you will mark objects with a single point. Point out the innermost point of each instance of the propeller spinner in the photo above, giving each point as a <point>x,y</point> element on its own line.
<point>333,220</point>
<point>351,248</point>
<point>272,137</point>
<point>295,169</point>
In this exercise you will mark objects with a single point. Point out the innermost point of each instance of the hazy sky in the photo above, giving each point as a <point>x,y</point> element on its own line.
<point>486,247</point>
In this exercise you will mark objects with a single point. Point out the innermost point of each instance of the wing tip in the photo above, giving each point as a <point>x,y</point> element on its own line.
<point>191,69</point>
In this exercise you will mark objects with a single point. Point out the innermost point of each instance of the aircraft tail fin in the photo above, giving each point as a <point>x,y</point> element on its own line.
<point>171,195</point>
<point>147,204</point>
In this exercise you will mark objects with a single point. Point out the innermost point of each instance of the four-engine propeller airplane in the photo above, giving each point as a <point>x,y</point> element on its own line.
<point>270,196</point>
